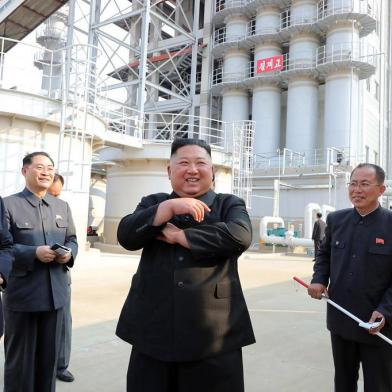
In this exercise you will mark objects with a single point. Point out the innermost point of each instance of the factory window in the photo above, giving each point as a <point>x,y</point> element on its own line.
<point>368,84</point>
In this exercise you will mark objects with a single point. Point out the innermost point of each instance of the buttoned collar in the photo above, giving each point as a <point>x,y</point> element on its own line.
<point>367,219</point>
<point>207,198</point>
<point>35,200</point>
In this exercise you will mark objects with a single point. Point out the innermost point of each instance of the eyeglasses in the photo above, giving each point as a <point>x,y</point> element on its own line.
<point>361,185</point>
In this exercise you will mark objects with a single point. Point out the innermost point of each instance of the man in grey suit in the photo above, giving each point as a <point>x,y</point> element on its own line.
<point>37,288</point>
<point>6,257</point>
<point>64,352</point>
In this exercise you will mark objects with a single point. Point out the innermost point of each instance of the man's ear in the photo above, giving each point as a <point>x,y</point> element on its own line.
<point>213,175</point>
<point>168,171</point>
<point>23,170</point>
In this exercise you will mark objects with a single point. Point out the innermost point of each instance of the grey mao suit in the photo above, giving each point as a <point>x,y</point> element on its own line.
<point>6,255</point>
<point>36,291</point>
<point>355,262</point>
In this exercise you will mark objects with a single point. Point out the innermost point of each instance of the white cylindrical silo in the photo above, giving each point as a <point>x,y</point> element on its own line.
<point>235,104</point>
<point>302,114</point>
<point>235,65</point>
<point>339,6</point>
<point>303,11</point>
<point>342,40</point>
<point>302,93</point>
<point>266,112</point>
<point>303,49</point>
<point>341,110</point>
<point>267,20</point>
<point>266,105</point>
<point>264,50</point>
<point>341,87</point>
<point>236,27</point>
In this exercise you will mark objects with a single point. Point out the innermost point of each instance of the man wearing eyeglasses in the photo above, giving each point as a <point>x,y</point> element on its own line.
<point>37,288</point>
<point>354,269</point>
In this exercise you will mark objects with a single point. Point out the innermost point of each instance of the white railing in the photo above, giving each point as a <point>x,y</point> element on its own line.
<point>88,93</point>
<point>325,9</point>
<point>287,20</point>
<point>220,37</point>
<point>253,30</point>
<point>322,158</point>
<point>220,5</point>
<point>328,8</point>
<point>221,77</point>
<point>302,61</point>
<point>347,52</point>
<point>51,32</point>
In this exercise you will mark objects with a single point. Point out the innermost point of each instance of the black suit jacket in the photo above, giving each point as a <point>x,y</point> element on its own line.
<point>6,255</point>
<point>318,230</point>
<point>355,260</point>
<point>34,286</point>
<point>187,304</point>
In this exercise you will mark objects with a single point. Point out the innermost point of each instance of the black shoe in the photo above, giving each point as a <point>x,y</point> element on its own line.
<point>65,376</point>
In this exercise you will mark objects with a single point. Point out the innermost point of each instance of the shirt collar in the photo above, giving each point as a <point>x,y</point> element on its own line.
<point>207,198</point>
<point>367,219</point>
<point>35,200</point>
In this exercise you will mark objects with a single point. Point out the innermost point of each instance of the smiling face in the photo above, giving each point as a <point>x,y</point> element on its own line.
<point>190,171</point>
<point>39,174</point>
<point>364,190</point>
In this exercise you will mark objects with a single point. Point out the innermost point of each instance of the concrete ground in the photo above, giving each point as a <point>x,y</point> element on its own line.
<point>292,352</point>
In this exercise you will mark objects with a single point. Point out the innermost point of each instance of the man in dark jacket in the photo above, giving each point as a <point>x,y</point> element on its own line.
<point>185,314</point>
<point>318,233</point>
<point>6,257</point>
<point>355,263</point>
<point>37,288</point>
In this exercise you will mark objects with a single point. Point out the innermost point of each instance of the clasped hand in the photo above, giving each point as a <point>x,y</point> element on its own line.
<point>47,255</point>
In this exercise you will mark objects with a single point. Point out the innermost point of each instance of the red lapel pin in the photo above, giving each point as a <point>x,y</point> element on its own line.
<point>380,241</point>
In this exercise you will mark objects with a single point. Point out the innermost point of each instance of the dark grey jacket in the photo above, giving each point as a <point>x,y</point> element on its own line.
<point>355,260</point>
<point>6,255</point>
<point>318,230</point>
<point>187,304</point>
<point>35,286</point>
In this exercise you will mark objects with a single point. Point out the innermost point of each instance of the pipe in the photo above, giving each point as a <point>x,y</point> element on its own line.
<point>273,239</point>
<point>310,209</point>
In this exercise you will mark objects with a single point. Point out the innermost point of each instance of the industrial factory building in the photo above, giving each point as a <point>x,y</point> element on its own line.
<point>290,94</point>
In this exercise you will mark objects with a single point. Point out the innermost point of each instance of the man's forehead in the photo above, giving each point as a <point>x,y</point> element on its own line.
<point>364,172</point>
<point>191,152</point>
<point>41,159</point>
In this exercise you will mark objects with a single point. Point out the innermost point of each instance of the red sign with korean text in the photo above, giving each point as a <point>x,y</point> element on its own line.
<point>270,64</point>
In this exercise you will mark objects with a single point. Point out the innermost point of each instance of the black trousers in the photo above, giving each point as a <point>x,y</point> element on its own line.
<point>30,346</point>
<point>223,373</point>
<point>317,244</point>
<point>376,365</point>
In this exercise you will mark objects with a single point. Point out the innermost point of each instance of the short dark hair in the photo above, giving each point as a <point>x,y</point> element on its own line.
<point>178,143</point>
<point>380,173</point>
<point>28,159</point>
<point>319,215</point>
<point>58,177</point>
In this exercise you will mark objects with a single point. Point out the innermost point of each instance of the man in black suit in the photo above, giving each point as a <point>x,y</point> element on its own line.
<point>37,288</point>
<point>185,314</point>
<point>355,264</point>
<point>6,257</point>
<point>318,233</point>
